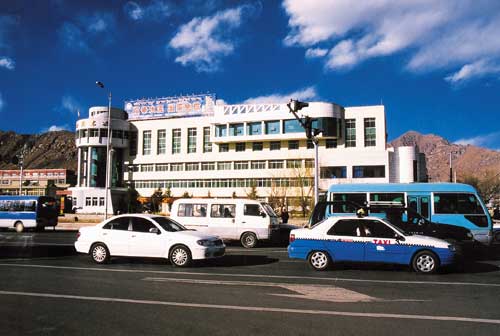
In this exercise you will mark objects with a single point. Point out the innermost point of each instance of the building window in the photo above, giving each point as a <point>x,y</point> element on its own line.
<point>275,145</point>
<point>223,148</point>
<point>272,127</point>
<point>191,147</point>
<point>350,132</point>
<point>162,167</point>
<point>146,142</point>
<point>309,144</point>
<point>257,146</point>
<point>240,165</point>
<point>370,132</point>
<point>368,171</point>
<point>176,167</point>
<point>224,166</point>
<point>254,128</point>
<point>94,201</point>
<point>293,163</point>
<point>292,126</point>
<point>331,143</point>
<point>88,201</point>
<point>293,144</point>
<point>240,146</point>
<point>276,164</point>
<point>208,166</point>
<point>192,166</point>
<point>333,172</point>
<point>207,145</point>
<point>236,129</point>
<point>258,164</point>
<point>309,163</point>
<point>147,167</point>
<point>94,132</point>
<point>101,201</point>
<point>220,130</point>
<point>133,144</point>
<point>162,142</point>
<point>176,140</point>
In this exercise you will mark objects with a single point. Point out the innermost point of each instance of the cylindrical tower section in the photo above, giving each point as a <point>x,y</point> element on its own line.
<point>406,164</point>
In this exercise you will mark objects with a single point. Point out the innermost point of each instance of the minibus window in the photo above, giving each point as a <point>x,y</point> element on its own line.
<point>465,204</point>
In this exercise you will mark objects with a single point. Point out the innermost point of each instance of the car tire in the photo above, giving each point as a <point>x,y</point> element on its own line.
<point>180,256</point>
<point>99,253</point>
<point>425,262</point>
<point>248,240</point>
<point>319,260</point>
<point>19,226</point>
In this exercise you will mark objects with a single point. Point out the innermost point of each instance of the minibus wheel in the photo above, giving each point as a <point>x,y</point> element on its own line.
<point>19,226</point>
<point>425,262</point>
<point>248,240</point>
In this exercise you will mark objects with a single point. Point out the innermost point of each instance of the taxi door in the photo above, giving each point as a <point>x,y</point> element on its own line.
<point>382,243</point>
<point>344,241</point>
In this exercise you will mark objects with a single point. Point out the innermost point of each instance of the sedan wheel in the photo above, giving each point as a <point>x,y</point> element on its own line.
<point>99,253</point>
<point>180,256</point>
<point>319,260</point>
<point>425,262</point>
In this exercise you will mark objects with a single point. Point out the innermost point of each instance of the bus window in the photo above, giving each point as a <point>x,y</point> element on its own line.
<point>466,204</point>
<point>354,198</point>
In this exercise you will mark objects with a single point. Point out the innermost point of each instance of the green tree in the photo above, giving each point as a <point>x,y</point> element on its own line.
<point>156,199</point>
<point>132,201</point>
<point>487,185</point>
<point>186,195</point>
<point>252,194</point>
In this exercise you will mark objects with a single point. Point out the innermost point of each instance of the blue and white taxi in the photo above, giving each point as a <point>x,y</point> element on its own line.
<point>368,239</point>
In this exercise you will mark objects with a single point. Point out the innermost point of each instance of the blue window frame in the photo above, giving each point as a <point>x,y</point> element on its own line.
<point>254,128</point>
<point>236,129</point>
<point>273,127</point>
<point>292,126</point>
<point>220,130</point>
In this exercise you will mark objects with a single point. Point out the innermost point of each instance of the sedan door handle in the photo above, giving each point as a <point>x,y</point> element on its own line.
<point>133,236</point>
<point>104,234</point>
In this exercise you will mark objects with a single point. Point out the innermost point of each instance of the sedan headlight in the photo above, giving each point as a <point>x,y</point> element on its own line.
<point>205,242</point>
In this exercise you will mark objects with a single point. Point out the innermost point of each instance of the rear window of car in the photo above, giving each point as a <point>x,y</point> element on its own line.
<point>118,224</point>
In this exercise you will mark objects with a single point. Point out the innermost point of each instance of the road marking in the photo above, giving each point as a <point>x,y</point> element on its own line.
<point>310,292</point>
<point>397,282</point>
<point>255,309</point>
<point>32,244</point>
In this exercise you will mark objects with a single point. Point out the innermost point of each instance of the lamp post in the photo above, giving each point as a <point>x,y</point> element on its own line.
<point>108,147</point>
<point>451,168</point>
<point>19,160</point>
<point>294,106</point>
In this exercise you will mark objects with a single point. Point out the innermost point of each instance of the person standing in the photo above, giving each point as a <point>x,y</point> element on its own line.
<point>284,216</point>
<point>496,213</point>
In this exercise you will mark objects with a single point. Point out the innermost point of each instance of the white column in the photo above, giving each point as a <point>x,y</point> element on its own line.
<point>89,164</point>
<point>78,174</point>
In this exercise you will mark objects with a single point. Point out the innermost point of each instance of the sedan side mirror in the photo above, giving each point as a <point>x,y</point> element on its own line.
<point>263,215</point>
<point>154,230</point>
<point>399,237</point>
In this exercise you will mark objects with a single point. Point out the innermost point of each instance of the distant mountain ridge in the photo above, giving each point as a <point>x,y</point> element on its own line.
<point>58,150</point>
<point>47,150</point>
<point>466,159</point>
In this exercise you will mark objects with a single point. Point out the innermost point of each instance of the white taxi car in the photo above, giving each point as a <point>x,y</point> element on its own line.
<point>141,235</point>
<point>368,239</point>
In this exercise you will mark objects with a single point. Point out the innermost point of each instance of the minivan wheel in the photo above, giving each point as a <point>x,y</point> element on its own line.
<point>248,240</point>
<point>319,260</point>
<point>19,226</point>
<point>180,256</point>
<point>425,262</point>
<point>99,253</point>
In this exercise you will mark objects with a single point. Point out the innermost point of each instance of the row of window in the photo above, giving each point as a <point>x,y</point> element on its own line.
<point>225,183</point>
<point>101,133</point>
<point>6,175</point>
<point>93,201</point>
<point>357,172</point>
<point>17,205</point>
<point>217,210</point>
<point>225,165</point>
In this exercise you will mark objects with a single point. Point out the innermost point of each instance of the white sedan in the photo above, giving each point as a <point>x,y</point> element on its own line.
<point>140,235</point>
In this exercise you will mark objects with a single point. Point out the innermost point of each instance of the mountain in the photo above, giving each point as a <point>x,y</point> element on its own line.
<point>47,150</point>
<point>467,160</point>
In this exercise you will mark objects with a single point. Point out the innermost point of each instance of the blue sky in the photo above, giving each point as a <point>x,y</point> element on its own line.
<point>435,65</point>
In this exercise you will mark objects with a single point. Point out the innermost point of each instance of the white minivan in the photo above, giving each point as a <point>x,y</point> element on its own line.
<point>246,220</point>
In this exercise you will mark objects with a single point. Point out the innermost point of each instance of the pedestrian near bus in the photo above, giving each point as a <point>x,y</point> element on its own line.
<point>496,213</point>
<point>284,216</point>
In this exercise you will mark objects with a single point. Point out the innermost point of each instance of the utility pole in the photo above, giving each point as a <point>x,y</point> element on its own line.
<point>19,160</point>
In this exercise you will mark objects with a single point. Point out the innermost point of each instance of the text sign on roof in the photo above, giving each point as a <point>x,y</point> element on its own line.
<point>170,107</point>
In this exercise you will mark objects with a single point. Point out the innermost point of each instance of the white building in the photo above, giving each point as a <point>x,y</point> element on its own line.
<point>195,145</point>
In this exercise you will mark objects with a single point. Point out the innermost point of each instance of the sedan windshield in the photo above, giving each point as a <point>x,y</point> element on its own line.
<point>168,224</point>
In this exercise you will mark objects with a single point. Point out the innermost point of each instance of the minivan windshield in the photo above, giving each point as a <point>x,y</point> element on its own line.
<point>269,210</point>
<point>168,224</point>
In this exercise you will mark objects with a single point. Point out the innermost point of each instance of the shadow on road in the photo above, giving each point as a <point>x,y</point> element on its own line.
<point>36,251</point>
<point>238,260</point>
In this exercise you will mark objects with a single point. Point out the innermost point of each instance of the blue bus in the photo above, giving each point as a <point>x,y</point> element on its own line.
<point>22,212</point>
<point>440,203</point>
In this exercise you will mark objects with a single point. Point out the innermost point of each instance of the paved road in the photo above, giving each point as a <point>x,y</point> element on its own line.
<point>47,289</point>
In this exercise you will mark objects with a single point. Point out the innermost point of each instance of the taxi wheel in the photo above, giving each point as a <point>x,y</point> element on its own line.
<point>319,260</point>
<point>180,256</point>
<point>19,226</point>
<point>99,253</point>
<point>248,240</point>
<point>425,262</point>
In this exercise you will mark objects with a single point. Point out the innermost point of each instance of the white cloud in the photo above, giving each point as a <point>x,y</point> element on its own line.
<point>487,140</point>
<point>7,63</point>
<point>55,128</point>
<point>445,34</point>
<point>69,104</point>
<point>316,52</point>
<point>474,70</point>
<point>305,94</point>
<point>154,10</point>
<point>202,42</point>
<point>88,30</point>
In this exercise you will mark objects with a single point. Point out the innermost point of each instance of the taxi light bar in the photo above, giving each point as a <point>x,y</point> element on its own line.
<point>292,238</point>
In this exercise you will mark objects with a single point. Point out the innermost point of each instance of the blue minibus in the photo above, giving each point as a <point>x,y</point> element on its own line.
<point>22,212</point>
<point>440,203</point>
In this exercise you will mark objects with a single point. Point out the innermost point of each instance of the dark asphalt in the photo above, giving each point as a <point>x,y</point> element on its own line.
<point>47,289</point>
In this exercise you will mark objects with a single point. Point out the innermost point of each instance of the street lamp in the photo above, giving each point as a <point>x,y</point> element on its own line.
<point>19,160</point>
<point>108,147</point>
<point>294,106</point>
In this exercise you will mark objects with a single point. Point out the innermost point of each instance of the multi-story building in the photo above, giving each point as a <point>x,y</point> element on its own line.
<point>198,146</point>
<point>35,182</point>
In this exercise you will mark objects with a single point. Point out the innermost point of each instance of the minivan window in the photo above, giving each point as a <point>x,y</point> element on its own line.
<point>223,210</point>
<point>252,210</point>
<point>192,210</point>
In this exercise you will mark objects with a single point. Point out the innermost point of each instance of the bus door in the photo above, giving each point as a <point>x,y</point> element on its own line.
<point>421,205</point>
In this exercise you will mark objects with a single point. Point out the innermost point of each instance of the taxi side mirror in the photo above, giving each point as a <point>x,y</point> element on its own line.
<point>399,237</point>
